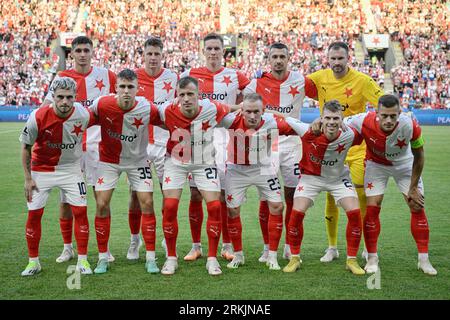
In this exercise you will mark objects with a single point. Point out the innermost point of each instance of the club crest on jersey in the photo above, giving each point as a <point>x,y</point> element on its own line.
<point>121,137</point>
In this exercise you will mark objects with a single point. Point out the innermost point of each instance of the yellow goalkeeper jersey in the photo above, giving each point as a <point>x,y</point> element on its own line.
<point>353,91</point>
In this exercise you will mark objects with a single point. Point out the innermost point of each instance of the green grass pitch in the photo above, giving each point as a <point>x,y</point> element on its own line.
<point>399,279</point>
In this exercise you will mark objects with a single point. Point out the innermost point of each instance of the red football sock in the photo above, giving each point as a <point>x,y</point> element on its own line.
<point>235,231</point>
<point>372,228</point>
<point>81,228</point>
<point>264,220</point>
<point>420,230</point>
<point>353,232</point>
<point>289,205</point>
<point>33,231</point>
<point>213,227</point>
<point>134,220</point>
<point>149,230</point>
<point>170,225</point>
<point>102,229</point>
<point>275,230</point>
<point>196,220</point>
<point>66,229</point>
<point>295,231</point>
<point>224,216</point>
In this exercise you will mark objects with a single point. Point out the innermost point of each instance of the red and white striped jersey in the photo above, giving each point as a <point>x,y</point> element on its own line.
<point>284,96</point>
<point>387,148</point>
<point>322,157</point>
<point>252,146</point>
<point>124,134</point>
<point>96,83</point>
<point>56,141</point>
<point>223,85</point>
<point>191,139</point>
<point>158,89</point>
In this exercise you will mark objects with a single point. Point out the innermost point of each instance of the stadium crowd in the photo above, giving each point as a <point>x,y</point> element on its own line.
<point>119,29</point>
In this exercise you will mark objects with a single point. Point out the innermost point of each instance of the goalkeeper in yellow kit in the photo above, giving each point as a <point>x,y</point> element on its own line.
<point>353,90</point>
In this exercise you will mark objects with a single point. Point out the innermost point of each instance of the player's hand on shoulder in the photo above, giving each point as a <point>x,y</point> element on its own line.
<point>316,126</point>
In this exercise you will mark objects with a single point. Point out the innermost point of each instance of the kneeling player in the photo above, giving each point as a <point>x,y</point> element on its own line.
<point>394,149</point>
<point>55,132</point>
<point>322,169</point>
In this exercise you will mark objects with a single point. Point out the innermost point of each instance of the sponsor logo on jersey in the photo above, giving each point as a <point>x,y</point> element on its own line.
<point>121,137</point>
<point>322,161</point>
<point>61,145</point>
<point>386,154</point>
<point>281,109</point>
<point>86,103</point>
<point>214,96</point>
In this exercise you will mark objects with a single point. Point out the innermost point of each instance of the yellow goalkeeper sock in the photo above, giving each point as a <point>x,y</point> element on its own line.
<point>362,201</point>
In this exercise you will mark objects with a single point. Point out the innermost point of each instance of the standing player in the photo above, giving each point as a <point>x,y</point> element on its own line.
<point>157,85</point>
<point>283,91</point>
<point>92,82</point>
<point>322,169</point>
<point>124,121</point>
<point>51,153</point>
<point>248,164</point>
<point>190,150</point>
<point>394,149</point>
<point>353,90</point>
<point>223,85</point>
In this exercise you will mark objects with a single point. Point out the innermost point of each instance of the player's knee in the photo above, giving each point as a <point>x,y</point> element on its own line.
<point>102,205</point>
<point>146,205</point>
<point>276,207</point>
<point>233,212</point>
<point>65,211</point>
<point>134,202</point>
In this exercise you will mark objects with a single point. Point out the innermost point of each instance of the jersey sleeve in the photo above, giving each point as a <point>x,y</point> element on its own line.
<point>250,88</point>
<point>30,131</point>
<point>283,127</point>
<point>95,107</point>
<point>112,81</point>
<point>417,138</point>
<point>242,80</point>
<point>228,120</point>
<point>310,88</point>
<point>222,110</point>
<point>162,110</point>
<point>184,74</point>
<point>300,128</point>
<point>372,92</point>
<point>155,118</point>
<point>356,121</point>
<point>358,139</point>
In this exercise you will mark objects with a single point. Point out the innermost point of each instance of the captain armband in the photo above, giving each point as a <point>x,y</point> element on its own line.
<point>419,142</point>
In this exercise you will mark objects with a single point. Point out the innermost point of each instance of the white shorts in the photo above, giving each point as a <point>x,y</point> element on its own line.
<point>71,184</point>
<point>89,162</point>
<point>156,155</point>
<point>288,162</point>
<point>310,187</point>
<point>377,176</point>
<point>139,178</point>
<point>220,156</point>
<point>239,178</point>
<point>206,176</point>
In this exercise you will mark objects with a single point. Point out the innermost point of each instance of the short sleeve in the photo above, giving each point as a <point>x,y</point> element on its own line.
<point>30,131</point>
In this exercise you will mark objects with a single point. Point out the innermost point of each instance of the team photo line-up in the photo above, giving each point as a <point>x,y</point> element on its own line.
<point>223,133</point>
